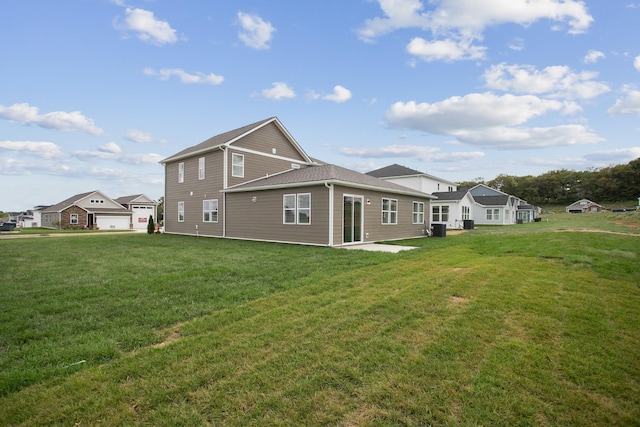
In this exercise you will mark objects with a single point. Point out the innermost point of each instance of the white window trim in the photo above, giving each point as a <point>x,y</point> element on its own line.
<point>181,172</point>
<point>180,211</point>
<point>211,210</point>
<point>201,168</point>
<point>296,209</point>
<point>234,165</point>
<point>71,219</point>
<point>420,215</point>
<point>389,212</point>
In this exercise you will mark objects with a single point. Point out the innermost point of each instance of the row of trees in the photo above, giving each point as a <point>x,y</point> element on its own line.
<point>561,187</point>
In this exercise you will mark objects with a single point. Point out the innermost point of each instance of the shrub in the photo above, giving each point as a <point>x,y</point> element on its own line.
<point>150,226</point>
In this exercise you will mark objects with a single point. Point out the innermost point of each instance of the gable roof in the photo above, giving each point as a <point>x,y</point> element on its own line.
<point>327,173</point>
<point>394,170</point>
<point>498,200</point>
<point>227,138</point>
<point>451,195</point>
<point>125,200</point>
<point>398,171</point>
<point>59,207</point>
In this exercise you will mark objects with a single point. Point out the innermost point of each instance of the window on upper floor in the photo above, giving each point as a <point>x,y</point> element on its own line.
<point>201,168</point>
<point>181,172</point>
<point>237,165</point>
<point>389,211</point>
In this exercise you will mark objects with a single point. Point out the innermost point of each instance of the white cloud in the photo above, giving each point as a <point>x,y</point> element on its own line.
<point>618,155</point>
<point>59,120</point>
<point>629,104</point>
<point>187,78</point>
<point>424,153</point>
<point>445,50</point>
<point>139,136</point>
<point>593,56</point>
<point>45,150</point>
<point>112,152</point>
<point>554,81</point>
<point>110,147</point>
<point>256,33</point>
<point>340,94</point>
<point>148,28</point>
<point>456,115</point>
<point>472,16</point>
<point>503,137</point>
<point>636,62</point>
<point>517,44</point>
<point>278,91</point>
<point>489,120</point>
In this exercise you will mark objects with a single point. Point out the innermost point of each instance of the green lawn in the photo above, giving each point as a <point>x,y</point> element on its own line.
<point>533,324</point>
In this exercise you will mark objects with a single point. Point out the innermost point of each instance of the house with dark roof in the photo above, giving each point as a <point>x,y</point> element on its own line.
<point>413,179</point>
<point>257,183</point>
<point>91,210</point>
<point>455,207</point>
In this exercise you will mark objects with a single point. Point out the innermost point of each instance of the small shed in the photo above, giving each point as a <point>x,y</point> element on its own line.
<point>584,206</point>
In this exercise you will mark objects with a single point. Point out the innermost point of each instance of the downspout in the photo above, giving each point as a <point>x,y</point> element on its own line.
<point>224,186</point>
<point>330,187</point>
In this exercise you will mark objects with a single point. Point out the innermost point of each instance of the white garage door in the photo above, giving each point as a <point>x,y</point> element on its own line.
<point>141,216</point>
<point>113,222</point>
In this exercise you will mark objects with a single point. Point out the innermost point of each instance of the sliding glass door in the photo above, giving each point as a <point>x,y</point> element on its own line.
<point>352,219</point>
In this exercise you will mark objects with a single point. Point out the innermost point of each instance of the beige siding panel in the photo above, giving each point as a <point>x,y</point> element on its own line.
<point>373,229</point>
<point>266,139</point>
<point>256,166</point>
<point>258,215</point>
<point>192,192</point>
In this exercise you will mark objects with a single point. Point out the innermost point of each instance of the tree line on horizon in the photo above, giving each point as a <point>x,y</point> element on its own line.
<point>562,187</point>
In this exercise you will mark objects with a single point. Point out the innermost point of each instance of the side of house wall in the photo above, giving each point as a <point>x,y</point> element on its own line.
<point>258,215</point>
<point>373,230</point>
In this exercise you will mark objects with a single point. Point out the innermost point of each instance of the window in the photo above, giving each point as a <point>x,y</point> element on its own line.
<point>493,214</point>
<point>180,211</point>
<point>210,210</point>
<point>466,212</point>
<point>181,172</point>
<point>96,201</point>
<point>237,165</point>
<point>73,219</point>
<point>296,208</point>
<point>418,212</point>
<point>389,211</point>
<point>201,168</point>
<point>304,208</point>
<point>440,213</point>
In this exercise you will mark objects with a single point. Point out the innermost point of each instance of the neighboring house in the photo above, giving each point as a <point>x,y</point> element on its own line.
<point>257,183</point>
<point>584,206</point>
<point>414,179</point>
<point>452,208</point>
<point>481,204</point>
<point>141,208</point>
<point>87,210</point>
<point>493,207</point>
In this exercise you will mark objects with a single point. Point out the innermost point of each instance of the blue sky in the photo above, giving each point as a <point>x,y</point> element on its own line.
<point>94,93</point>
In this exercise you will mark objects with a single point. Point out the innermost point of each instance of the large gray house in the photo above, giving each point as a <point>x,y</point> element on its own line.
<point>257,183</point>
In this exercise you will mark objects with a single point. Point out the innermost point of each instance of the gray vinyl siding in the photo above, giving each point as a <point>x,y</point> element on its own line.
<point>266,139</point>
<point>262,219</point>
<point>256,166</point>
<point>192,192</point>
<point>373,216</point>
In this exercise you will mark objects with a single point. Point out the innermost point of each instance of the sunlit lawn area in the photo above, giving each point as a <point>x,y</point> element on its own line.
<point>533,324</point>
